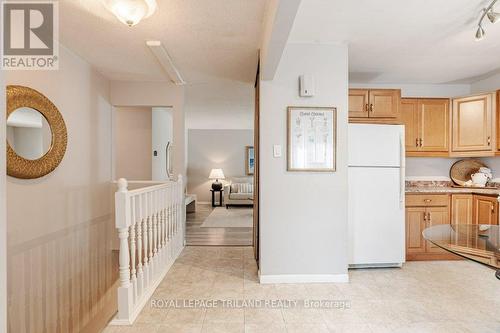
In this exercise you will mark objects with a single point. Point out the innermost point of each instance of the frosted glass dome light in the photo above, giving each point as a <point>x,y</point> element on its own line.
<point>131,12</point>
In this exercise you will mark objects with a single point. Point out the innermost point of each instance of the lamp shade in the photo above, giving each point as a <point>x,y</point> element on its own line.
<point>216,174</point>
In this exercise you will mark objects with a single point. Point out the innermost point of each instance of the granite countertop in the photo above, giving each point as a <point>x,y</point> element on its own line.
<point>447,187</point>
<point>450,189</point>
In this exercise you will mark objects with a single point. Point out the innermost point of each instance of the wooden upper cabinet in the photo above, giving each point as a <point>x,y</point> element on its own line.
<point>473,124</point>
<point>410,118</point>
<point>426,125</point>
<point>461,209</point>
<point>374,105</point>
<point>384,103</point>
<point>485,210</point>
<point>434,124</point>
<point>358,103</point>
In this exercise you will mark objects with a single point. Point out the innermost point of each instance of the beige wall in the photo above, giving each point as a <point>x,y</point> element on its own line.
<point>132,142</point>
<point>61,268</point>
<point>157,94</point>
<point>208,149</point>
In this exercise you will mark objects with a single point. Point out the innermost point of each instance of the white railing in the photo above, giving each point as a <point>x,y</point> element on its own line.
<point>151,226</point>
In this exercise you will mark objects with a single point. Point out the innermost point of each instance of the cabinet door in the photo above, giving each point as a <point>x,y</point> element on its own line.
<point>434,124</point>
<point>410,118</point>
<point>436,216</point>
<point>384,103</point>
<point>415,224</point>
<point>461,209</point>
<point>485,210</point>
<point>472,123</point>
<point>358,103</point>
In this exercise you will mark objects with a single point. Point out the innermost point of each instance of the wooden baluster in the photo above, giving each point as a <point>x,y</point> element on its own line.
<point>150,237</point>
<point>140,274</point>
<point>145,239</point>
<point>182,210</point>
<point>164,222</point>
<point>122,221</point>
<point>155,230</point>
<point>162,228</point>
<point>133,249</point>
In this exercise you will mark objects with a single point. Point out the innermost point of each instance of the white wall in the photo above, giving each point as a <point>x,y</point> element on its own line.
<point>489,84</point>
<point>3,214</point>
<point>221,104</point>
<point>127,93</point>
<point>303,215</point>
<point>60,226</point>
<point>162,131</point>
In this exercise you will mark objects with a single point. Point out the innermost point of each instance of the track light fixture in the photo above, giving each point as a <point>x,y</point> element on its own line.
<point>493,17</point>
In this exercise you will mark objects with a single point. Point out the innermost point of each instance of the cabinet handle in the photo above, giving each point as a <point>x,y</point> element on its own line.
<point>416,142</point>
<point>420,142</point>
<point>371,107</point>
<point>428,216</point>
<point>425,217</point>
<point>367,107</point>
<point>489,141</point>
<point>427,200</point>
<point>492,208</point>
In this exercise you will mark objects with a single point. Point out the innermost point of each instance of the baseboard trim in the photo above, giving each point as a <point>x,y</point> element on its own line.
<point>304,278</point>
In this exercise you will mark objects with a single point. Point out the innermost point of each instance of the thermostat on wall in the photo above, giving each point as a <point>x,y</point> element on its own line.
<point>306,85</point>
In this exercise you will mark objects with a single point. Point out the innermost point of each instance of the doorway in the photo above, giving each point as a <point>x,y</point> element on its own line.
<point>143,143</point>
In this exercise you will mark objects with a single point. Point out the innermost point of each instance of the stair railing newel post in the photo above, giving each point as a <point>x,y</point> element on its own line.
<point>122,223</point>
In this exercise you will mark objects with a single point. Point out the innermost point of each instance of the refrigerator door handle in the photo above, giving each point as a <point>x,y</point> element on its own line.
<point>401,170</point>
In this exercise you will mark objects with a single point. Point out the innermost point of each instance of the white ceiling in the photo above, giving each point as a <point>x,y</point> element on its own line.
<point>390,41</point>
<point>206,39</point>
<point>404,41</point>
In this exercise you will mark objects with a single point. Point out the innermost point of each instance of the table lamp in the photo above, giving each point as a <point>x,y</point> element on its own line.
<point>216,174</point>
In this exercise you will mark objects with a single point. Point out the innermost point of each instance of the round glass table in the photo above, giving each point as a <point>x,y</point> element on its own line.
<point>476,242</point>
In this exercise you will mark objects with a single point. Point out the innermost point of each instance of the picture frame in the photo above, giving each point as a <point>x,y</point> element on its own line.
<point>311,139</point>
<point>249,160</point>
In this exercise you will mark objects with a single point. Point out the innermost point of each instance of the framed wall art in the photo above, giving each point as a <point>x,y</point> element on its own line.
<point>250,160</point>
<point>311,142</point>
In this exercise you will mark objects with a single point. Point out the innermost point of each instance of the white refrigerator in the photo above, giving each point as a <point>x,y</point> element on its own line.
<point>376,195</point>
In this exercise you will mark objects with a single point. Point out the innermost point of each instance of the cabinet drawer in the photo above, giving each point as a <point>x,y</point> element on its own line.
<point>417,200</point>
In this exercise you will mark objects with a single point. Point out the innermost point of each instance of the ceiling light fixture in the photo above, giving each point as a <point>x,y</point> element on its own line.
<point>493,17</point>
<point>131,12</point>
<point>479,33</point>
<point>165,61</point>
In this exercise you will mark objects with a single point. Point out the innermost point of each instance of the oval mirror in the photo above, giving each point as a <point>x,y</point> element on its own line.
<point>28,133</point>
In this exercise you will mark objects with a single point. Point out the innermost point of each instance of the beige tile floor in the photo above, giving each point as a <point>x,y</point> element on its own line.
<point>458,296</point>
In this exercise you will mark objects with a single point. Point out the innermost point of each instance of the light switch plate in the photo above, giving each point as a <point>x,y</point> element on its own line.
<point>277,150</point>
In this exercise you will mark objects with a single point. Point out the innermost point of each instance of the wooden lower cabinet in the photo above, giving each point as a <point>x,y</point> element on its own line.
<point>462,208</point>
<point>485,210</point>
<point>423,211</point>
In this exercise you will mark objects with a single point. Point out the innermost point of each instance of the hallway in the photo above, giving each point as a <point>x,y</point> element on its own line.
<point>421,297</point>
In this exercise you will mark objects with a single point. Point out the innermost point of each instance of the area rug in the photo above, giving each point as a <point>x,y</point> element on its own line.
<point>233,217</point>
